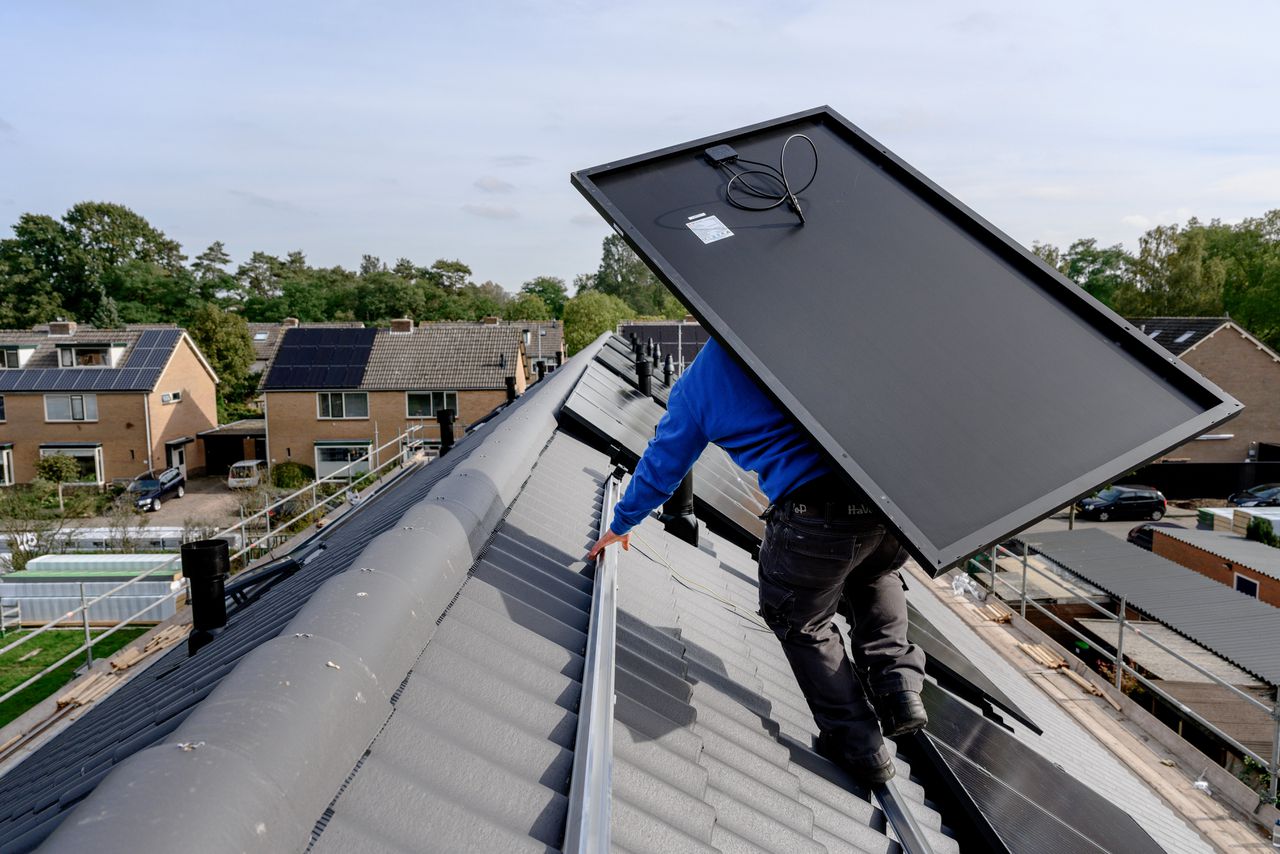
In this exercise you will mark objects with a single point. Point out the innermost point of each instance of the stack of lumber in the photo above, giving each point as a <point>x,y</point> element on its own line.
<point>1052,661</point>
<point>162,639</point>
<point>995,612</point>
<point>87,690</point>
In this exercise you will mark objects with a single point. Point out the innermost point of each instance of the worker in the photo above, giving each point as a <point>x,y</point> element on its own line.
<point>823,541</point>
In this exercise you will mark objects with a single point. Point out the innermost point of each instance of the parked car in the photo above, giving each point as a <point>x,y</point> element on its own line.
<point>1264,495</point>
<point>148,490</point>
<point>1124,502</point>
<point>247,474</point>
<point>1143,535</point>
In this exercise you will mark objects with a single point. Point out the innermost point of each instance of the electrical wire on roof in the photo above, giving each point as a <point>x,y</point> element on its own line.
<point>769,184</point>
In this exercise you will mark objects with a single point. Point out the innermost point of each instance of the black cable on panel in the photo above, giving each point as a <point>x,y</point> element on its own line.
<point>769,184</point>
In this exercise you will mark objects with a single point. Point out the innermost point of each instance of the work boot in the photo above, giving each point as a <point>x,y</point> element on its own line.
<point>900,713</point>
<point>869,770</point>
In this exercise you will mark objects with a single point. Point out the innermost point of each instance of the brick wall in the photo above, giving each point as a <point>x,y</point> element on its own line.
<point>121,428</point>
<point>1212,566</point>
<point>1249,374</point>
<point>293,428</point>
<point>198,409</point>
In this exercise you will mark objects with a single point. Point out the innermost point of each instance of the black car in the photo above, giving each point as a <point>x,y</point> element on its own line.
<point>1264,495</point>
<point>149,489</point>
<point>1142,535</point>
<point>1124,502</point>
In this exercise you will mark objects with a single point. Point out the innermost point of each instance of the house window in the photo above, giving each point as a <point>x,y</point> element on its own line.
<point>1246,585</point>
<point>334,458</point>
<point>2,407</point>
<point>70,407</point>
<point>87,457</point>
<point>9,358</point>
<point>342,404</point>
<point>84,357</point>
<point>6,467</point>
<point>425,404</point>
<point>259,336</point>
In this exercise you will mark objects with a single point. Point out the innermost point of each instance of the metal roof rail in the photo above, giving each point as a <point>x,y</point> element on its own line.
<point>590,789</point>
<point>910,836</point>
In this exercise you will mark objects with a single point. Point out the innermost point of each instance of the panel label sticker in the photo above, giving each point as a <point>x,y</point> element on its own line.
<point>708,228</point>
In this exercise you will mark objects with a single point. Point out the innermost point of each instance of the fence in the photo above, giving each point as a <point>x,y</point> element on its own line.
<point>1125,625</point>
<point>251,547</point>
<point>1203,480</point>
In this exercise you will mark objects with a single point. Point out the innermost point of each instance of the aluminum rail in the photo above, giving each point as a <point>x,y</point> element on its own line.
<point>590,789</point>
<point>910,836</point>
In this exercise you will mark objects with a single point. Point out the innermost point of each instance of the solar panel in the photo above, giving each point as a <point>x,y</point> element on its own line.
<point>1019,800</point>
<point>953,376</point>
<point>609,408</point>
<point>321,358</point>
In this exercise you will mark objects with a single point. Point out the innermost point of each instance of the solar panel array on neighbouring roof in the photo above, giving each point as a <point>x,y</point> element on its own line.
<point>140,371</point>
<point>682,341</point>
<point>954,377</point>
<point>320,358</point>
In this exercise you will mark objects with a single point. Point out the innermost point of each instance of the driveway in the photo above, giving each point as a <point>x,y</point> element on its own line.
<point>207,502</point>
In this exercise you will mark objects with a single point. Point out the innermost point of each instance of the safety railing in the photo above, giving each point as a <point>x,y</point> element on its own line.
<point>590,787</point>
<point>402,442</point>
<point>1123,625</point>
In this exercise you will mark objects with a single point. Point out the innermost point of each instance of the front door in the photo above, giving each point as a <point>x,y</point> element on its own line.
<point>178,458</point>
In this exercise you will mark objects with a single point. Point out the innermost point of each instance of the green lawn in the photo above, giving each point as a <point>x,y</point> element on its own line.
<point>53,645</point>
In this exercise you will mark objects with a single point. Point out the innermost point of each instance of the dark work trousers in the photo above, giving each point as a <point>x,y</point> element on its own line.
<point>806,568</point>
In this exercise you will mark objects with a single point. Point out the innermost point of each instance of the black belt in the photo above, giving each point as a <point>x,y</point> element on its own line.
<point>827,510</point>
<point>827,497</point>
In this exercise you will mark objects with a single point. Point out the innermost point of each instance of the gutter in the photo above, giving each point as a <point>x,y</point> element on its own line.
<point>255,765</point>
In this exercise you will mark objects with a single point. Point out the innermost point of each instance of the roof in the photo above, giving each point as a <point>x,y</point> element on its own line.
<point>681,339</point>
<point>433,356</point>
<point>447,355</point>
<point>243,427</point>
<point>1231,548</point>
<point>419,679</point>
<point>147,350</point>
<point>1178,334</point>
<point>1239,628</point>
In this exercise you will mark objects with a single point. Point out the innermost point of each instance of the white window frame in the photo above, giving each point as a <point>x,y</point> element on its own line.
<point>7,354</point>
<point>87,402</point>
<point>95,452</point>
<point>444,397</point>
<point>343,395</point>
<point>324,468</point>
<point>69,357</point>
<point>6,466</point>
<point>1252,581</point>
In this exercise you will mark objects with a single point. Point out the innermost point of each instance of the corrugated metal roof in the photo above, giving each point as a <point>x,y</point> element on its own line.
<point>1230,547</point>
<point>1241,629</point>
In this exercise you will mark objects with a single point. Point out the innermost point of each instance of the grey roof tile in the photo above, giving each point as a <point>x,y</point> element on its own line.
<point>635,829</point>
<point>452,356</point>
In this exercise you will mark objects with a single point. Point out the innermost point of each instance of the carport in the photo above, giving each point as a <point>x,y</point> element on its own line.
<point>240,440</point>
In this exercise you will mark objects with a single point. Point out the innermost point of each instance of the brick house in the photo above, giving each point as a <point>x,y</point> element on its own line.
<point>1242,366</point>
<point>119,401</point>
<point>1250,567</point>
<point>333,394</point>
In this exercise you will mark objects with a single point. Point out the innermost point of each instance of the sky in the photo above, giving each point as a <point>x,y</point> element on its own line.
<point>448,130</point>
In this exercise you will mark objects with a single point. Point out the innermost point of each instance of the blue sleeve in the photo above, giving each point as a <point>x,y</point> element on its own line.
<point>671,453</point>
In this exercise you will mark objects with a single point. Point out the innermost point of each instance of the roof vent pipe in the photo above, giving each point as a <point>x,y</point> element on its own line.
<point>206,565</point>
<point>644,376</point>
<point>648,347</point>
<point>635,344</point>
<point>559,358</point>
<point>502,360</point>
<point>657,355</point>
<point>666,371</point>
<point>542,370</point>
<point>445,419</point>
<point>677,514</point>
<point>511,389</point>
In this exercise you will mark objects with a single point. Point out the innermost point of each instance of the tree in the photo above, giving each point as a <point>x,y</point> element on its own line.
<point>589,314</point>
<point>210,269</point>
<point>551,290</point>
<point>1173,275</point>
<point>450,275</point>
<point>59,469</point>
<point>225,341</point>
<point>624,275</point>
<point>526,307</point>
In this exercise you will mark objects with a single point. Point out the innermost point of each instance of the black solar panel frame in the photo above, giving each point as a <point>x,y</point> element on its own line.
<point>1204,405</point>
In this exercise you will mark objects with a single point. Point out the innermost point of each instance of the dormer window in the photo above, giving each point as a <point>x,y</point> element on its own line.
<point>90,356</point>
<point>9,358</point>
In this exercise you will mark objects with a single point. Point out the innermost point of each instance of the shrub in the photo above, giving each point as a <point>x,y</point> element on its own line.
<point>1261,531</point>
<point>291,475</point>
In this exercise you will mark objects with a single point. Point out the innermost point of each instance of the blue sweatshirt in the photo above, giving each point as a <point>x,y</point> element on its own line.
<point>715,401</point>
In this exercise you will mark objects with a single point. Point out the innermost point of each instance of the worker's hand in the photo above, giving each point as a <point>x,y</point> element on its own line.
<point>609,539</point>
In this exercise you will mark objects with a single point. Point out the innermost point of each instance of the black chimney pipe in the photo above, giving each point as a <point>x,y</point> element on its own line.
<point>677,514</point>
<point>511,389</point>
<point>648,347</point>
<point>657,354</point>
<point>542,370</point>
<point>206,565</point>
<point>445,419</point>
<point>666,371</point>
<point>644,376</point>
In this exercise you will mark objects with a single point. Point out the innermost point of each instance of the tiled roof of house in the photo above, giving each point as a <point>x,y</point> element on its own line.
<point>452,356</point>
<point>1178,334</point>
<point>416,685</point>
<point>146,351</point>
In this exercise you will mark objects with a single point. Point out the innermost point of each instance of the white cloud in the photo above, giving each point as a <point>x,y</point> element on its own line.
<point>491,184</point>
<point>492,211</point>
